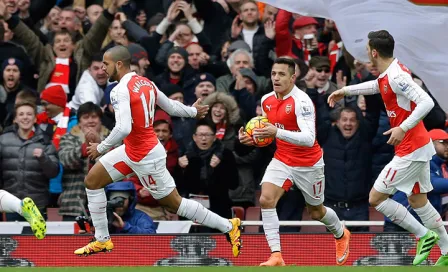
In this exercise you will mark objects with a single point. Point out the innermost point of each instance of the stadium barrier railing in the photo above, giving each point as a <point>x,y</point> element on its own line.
<point>202,249</point>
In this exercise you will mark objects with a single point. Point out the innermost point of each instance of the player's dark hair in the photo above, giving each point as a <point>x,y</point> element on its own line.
<point>347,109</point>
<point>291,64</point>
<point>205,122</point>
<point>25,103</point>
<point>120,53</point>
<point>89,108</point>
<point>382,42</point>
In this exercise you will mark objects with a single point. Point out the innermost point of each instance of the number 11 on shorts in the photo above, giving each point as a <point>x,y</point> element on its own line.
<point>317,188</point>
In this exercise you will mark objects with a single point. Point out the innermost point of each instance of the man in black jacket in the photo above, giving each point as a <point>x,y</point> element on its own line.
<point>347,149</point>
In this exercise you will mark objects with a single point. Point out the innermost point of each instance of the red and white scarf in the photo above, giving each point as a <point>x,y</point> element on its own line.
<point>335,54</point>
<point>61,126</point>
<point>61,74</point>
<point>220,130</point>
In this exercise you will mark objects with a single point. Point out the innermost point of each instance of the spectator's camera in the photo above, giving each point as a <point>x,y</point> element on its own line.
<point>116,200</point>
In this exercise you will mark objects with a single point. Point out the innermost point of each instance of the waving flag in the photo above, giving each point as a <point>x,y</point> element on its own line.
<point>419,27</point>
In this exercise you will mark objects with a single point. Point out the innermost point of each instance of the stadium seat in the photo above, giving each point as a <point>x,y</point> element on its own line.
<point>238,211</point>
<point>257,198</point>
<point>375,215</point>
<point>307,217</point>
<point>253,214</point>
<point>53,214</point>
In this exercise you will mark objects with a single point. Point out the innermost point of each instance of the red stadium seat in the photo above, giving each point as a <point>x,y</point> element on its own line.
<point>238,212</point>
<point>53,214</point>
<point>375,215</point>
<point>253,214</point>
<point>257,198</point>
<point>307,217</point>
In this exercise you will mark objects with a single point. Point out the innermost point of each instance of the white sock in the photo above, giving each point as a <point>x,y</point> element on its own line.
<point>10,203</point>
<point>433,221</point>
<point>196,212</point>
<point>399,215</point>
<point>332,222</point>
<point>97,207</point>
<point>271,225</point>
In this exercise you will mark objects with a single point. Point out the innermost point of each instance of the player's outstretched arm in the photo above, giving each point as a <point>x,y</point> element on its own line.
<point>365,88</point>
<point>122,108</point>
<point>175,108</point>
<point>403,84</point>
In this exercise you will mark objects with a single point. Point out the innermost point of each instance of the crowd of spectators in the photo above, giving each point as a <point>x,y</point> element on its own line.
<point>54,99</point>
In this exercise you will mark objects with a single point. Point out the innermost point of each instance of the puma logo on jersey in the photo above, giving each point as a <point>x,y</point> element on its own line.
<point>391,114</point>
<point>268,107</point>
<point>138,84</point>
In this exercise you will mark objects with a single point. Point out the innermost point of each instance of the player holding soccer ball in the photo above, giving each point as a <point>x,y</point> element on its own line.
<point>298,159</point>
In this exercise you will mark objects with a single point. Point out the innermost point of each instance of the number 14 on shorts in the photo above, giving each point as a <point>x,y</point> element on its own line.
<point>149,183</point>
<point>317,189</point>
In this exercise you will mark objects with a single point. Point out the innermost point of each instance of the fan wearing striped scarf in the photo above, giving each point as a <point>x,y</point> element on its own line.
<point>55,119</point>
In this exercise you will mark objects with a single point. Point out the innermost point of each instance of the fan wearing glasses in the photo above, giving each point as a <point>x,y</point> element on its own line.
<point>318,77</point>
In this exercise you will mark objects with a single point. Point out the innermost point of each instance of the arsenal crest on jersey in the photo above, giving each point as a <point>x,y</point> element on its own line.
<point>385,88</point>
<point>288,108</point>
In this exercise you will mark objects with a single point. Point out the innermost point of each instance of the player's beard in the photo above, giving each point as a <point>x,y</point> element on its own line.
<point>114,76</point>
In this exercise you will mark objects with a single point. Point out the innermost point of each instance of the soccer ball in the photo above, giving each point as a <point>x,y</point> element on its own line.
<point>254,123</point>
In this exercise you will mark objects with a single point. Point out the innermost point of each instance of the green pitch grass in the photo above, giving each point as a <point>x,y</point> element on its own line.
<point>231,269</point>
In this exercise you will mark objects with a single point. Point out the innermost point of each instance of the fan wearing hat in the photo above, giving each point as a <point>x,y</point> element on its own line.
<point>204,85</point>
<point>122,216</point>
<point>58,118</point>
<point>140,56</point>
<point>318,77</point>
<point>440,140</point>
<point>9,88</point>
<point>438,175</point>
<point>177,71</point>
<point>303,43</point>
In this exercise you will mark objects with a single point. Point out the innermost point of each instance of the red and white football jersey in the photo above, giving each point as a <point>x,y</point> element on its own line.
<point>401,95</point>
<point>134,100</point>
<point>294,116</point>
